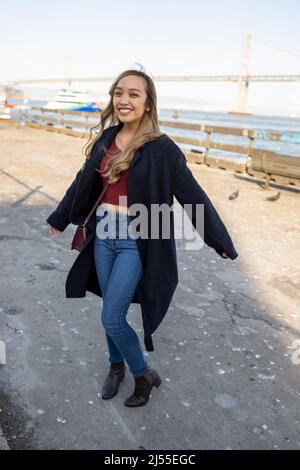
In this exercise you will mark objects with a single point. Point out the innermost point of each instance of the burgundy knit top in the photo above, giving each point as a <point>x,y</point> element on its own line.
<point>121,187</point>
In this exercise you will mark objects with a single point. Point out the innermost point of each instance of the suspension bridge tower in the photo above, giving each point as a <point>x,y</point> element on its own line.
<point>241,106</point>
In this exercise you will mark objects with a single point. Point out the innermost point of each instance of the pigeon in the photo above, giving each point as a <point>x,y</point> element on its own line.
<point>274,198</point>
<point>234,195</point>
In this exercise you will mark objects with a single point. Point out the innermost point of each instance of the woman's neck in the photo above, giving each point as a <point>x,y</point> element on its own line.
<point>129,129</point>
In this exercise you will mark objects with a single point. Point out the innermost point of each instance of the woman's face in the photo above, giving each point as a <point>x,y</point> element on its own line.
<point>130,94</point>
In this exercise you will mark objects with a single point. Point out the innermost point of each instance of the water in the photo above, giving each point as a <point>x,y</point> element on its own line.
<point>288,126</point>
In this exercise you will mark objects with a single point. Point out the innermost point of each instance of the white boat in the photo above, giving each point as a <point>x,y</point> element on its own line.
<point>73,100</point>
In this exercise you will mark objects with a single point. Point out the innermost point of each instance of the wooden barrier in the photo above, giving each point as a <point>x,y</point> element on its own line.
<point>9,122</point>
<point>271,166</point>
<point>258,163</point>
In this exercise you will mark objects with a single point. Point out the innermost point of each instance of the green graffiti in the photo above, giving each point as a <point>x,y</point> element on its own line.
<point>287,138</point>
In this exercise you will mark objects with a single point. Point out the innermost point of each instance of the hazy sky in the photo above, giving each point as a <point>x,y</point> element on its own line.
<point>167,37</point>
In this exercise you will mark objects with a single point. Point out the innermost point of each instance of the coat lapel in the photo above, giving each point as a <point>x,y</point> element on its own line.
<point>89,172</point>
<point>105,142</point>
<point>100,148</point>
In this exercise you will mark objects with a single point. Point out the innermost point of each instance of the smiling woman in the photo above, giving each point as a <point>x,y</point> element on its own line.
<point>134,103</point>
<point>129,100</point>
<point>138,162</point>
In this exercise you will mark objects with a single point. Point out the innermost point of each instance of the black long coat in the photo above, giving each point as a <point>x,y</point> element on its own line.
<point>157,172</point>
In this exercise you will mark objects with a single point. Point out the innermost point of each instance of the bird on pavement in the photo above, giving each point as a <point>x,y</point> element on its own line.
<point>274,198</point>
<point>234,195</point>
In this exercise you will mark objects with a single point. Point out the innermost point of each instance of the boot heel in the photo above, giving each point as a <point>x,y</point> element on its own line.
<point>157,382</point>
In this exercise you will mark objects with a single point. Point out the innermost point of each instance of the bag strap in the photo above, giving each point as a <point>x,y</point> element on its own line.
<point>94,206</point>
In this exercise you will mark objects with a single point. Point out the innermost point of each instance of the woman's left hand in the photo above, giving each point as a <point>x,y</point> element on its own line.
<point>225,255</point>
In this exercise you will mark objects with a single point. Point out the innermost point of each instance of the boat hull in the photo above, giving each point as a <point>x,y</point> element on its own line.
<point>89,107</point>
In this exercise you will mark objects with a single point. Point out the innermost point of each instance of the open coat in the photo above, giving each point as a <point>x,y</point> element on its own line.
<point>157,173</point>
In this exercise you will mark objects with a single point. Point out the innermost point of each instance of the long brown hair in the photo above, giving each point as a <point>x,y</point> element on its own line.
<point>148,129</point>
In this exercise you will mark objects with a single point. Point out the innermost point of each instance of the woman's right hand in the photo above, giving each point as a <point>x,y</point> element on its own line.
<point>53,230</point>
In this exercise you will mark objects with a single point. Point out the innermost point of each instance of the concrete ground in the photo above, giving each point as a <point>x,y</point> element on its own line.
<point>228,350</point>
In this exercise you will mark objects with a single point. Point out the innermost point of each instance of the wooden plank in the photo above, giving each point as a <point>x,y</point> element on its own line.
<point>287,137</point>
<point>275,163</point>
<point>47,119</point>
<point>211,145</point>
<point>74,123</point>
<point>62,121</point>
<point>74,133</point>
<point>278,179</point>
<point>294,182</point>
<point>257,152</point>
<point>193,157</point>
<point>58,130</point>
<point>33,124</point>
<point>188,140</point>
<point>9,122</point>
<point>180,125</point>
<point>224,164</point>
<point>229,148</point>
<point>205,128</point>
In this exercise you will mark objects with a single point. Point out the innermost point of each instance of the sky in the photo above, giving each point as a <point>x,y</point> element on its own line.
<point>166,37</point>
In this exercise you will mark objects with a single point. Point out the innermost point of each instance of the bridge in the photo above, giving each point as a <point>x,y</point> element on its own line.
<point>243,79</point>
<point>171,78</point>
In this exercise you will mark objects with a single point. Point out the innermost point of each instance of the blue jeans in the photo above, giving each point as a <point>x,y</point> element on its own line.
<point>119,269</point>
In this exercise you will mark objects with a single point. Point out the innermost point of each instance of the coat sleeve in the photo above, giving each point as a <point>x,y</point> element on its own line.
<point>60,218</point>
<point>187,190</point>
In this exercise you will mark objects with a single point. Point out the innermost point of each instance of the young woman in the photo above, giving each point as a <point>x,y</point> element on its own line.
<point>140,166</point>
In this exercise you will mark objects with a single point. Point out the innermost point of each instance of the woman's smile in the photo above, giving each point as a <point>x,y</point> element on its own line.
<point>124,111</point>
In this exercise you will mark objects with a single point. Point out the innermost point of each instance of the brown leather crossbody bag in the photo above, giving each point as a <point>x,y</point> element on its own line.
<point>81,231</point>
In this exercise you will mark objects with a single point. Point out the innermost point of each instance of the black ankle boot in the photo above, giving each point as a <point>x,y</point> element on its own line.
<point>143,387</point>
<point>112,382</point>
